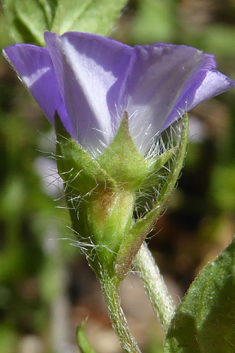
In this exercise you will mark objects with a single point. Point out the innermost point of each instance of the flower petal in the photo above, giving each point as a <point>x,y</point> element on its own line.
<point>156,78</point>
<point>200,87</point>
<point>34,66</point>
<point>90,70</point>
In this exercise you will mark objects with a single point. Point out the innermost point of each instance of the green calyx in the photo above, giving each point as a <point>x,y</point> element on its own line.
<point>100,203</point>
<point>122,161</point>
<point>140,229</point>
<point>100,222</point>
<point>76,167</point>
<point>102,194</point>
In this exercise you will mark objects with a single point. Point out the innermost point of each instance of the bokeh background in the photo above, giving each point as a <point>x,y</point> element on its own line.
<point>46,287</point>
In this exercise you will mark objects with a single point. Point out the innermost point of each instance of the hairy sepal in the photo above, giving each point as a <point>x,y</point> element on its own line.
<point>140,229</point>
<point>76,167</point>
<point>100,222</point>
<point>122,161</point>
<point>101,208</point>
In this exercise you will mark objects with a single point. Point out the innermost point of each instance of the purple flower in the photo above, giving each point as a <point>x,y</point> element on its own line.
<point>91,80</point>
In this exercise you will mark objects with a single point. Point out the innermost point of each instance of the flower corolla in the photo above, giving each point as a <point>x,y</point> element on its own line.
<point>91,81</point>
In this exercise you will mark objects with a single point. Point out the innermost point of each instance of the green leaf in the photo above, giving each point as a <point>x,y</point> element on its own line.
<point>68,15</point>
<point>94,16</point>
<point>28,20</point>
<point>33,17</point>
<point>82,340</point>
<point>49,7</point>
<point>17,29</point>
<point>205,319</point>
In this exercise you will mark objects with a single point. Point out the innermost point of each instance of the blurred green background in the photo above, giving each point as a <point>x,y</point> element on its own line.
<point>46,288</point>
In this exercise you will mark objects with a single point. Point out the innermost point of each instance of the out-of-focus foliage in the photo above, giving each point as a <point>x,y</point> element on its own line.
<point>30,225</point>
<point>36,267</point>
<point>154,19</point>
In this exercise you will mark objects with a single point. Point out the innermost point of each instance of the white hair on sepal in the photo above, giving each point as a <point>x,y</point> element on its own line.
<point>166,140</point>
<point>82,242</point>
<point>116,118</point>
<point>139,136</point>
<point>148,195</point>
<point>84,246</point>
<point>119,114</point>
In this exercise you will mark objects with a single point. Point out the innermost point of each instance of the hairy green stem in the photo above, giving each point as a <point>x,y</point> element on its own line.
<point>111,293</point>
<point>155,286</point>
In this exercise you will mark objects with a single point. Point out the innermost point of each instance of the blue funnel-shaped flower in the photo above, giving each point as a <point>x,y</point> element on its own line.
<point>109,102</point>
<point>91,80</point>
